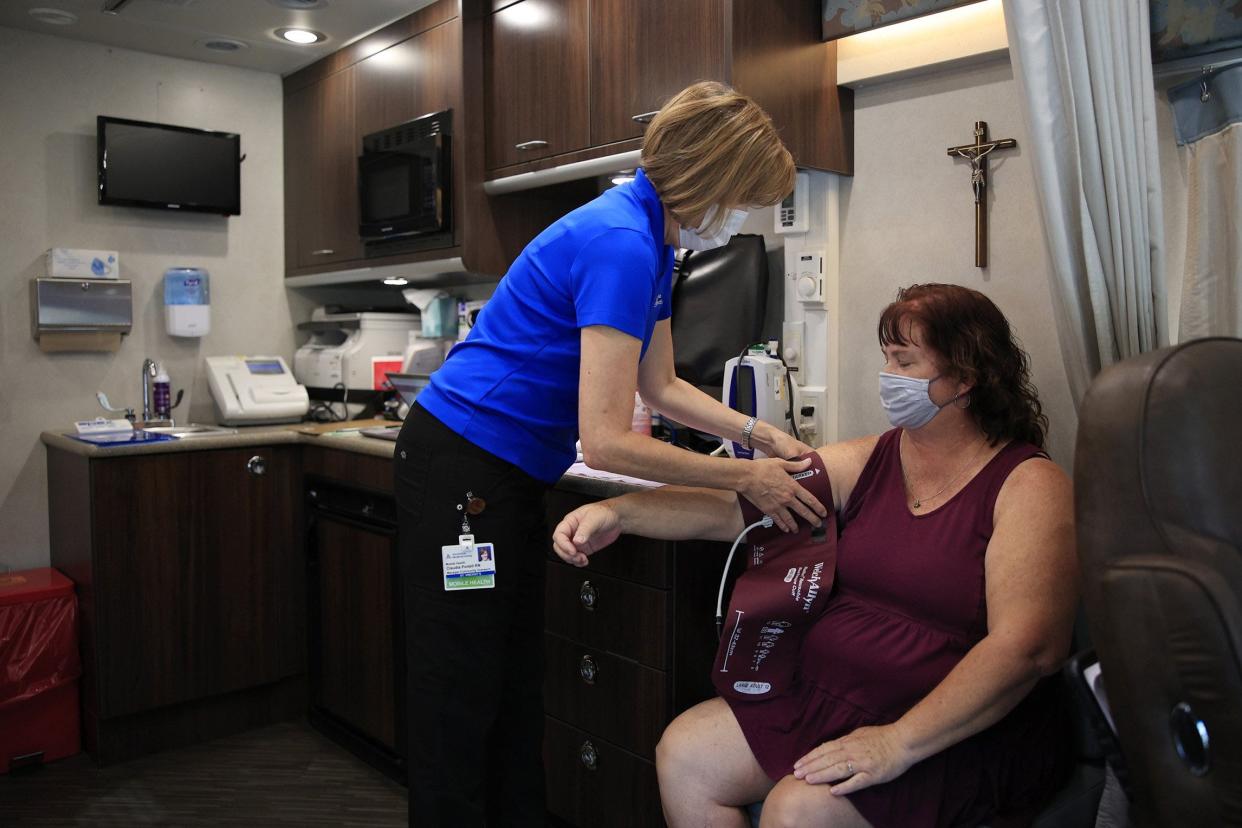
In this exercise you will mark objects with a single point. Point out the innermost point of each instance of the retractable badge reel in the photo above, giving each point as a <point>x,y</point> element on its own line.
<point>467,564</point>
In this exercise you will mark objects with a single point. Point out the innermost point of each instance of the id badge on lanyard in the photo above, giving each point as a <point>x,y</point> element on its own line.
<point>468,564</point>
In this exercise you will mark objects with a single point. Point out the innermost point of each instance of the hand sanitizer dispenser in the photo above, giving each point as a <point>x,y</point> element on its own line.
<point>187,301</point>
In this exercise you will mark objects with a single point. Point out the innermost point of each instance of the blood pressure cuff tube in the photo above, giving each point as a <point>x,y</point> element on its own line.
<point>777,598</point>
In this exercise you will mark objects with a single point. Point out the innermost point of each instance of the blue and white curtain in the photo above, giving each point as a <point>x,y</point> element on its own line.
<point>1207,120</point>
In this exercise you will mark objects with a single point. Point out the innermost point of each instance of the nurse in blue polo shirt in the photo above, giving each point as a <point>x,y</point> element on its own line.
<point>580,322</point>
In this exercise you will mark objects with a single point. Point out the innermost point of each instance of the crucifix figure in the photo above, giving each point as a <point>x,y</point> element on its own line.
<point>977,154</point>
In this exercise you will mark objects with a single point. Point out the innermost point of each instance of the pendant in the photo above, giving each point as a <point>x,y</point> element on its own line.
<point>918,504</point>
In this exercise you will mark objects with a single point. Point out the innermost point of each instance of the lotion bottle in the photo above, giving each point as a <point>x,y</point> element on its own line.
<point>161,393</point>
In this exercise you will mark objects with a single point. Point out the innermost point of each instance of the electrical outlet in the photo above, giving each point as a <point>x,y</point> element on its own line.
<point>791,345</point>
<point>813,397</point>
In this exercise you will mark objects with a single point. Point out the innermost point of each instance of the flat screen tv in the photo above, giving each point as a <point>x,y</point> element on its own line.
<point>142,164</point>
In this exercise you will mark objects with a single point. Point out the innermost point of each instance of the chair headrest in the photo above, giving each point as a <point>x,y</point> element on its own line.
<point>1165,427</point>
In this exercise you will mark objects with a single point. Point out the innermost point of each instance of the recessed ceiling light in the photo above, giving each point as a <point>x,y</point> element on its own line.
<point>396,281</point>
<point>54,17</point>
<point>222,44</point>
<point>302,37</point>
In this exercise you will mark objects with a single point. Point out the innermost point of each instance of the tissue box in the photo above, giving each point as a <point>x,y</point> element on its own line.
<point>72,263</point>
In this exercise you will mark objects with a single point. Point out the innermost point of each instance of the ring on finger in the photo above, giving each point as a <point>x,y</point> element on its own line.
<point>849,767</point>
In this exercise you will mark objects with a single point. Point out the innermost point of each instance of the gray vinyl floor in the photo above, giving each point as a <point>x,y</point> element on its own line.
<point>287,774</point>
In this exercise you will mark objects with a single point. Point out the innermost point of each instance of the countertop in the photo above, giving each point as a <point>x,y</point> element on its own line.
<point>256,436</point>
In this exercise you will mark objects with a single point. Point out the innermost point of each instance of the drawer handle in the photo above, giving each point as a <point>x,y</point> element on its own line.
<point>588,596</point>
<point>587,669</point>
<point>589,756</point>
<point>645,118</point>
<point>529,145</point>
<point>257,466</point>
<point>327,251</point>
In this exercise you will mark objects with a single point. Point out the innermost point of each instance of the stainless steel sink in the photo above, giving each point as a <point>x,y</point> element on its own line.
<point>191,430</point>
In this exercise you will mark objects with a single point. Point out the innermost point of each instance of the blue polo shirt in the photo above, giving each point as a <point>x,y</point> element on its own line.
<point>512,386</point>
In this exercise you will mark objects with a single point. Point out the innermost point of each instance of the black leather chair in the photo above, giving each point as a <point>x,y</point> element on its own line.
<point>1158,491</point>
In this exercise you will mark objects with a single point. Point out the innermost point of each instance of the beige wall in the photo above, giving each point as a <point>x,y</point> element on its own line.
<point>907,216</point>
<point>51,89</point>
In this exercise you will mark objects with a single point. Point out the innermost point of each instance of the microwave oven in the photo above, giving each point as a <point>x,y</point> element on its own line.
<point>404,186</point>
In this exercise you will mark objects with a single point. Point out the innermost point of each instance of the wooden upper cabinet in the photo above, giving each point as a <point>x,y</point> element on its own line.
<point>645,51</point>
<point>322,157</point>
<point>639,53</point>
<point>413,78</point>
<point>536,80</point>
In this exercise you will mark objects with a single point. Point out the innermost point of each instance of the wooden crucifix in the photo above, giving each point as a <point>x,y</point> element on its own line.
<point>977,154</point>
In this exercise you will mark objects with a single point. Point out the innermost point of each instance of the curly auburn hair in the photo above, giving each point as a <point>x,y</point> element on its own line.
<point>973,341</point>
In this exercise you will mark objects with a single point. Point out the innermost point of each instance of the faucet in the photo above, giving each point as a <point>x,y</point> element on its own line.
<point>148,374</point>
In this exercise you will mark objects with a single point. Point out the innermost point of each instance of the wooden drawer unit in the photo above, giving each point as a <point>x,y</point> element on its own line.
<point>613,697</point>
<point>629,644</point>
<point>608,614</point>
<point>594,783</point>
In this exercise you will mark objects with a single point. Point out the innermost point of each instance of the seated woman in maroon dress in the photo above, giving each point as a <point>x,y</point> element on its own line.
<point>918,700</point>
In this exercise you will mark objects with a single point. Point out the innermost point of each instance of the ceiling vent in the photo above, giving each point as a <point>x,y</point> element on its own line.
<point>300,5</point>
<point>222,44</point>
<point>54,17</point>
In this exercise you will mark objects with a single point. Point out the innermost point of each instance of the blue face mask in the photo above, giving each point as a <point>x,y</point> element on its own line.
<point>907,400</point>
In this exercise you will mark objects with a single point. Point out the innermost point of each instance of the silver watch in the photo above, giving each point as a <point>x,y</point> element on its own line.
<point>747,430</point>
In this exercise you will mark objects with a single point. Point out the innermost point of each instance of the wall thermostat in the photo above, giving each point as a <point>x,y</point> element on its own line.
<point>792,213</point>
<point>808,277</point>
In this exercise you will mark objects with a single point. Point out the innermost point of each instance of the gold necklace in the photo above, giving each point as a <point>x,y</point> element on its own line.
<point>918,501</point>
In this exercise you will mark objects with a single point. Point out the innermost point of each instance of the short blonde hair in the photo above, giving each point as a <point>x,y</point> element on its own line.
<point>711,145</point>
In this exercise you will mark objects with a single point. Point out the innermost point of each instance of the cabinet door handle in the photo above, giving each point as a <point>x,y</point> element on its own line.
<point>644,118</point>
<point>327,251</point>
<point>529,145</point>
<point>588,596</point>
<point>589,756</point>
<point>257,466</point>
<point>587,670</point>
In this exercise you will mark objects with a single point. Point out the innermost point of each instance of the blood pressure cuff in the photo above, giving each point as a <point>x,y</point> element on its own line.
<point>780,594</point>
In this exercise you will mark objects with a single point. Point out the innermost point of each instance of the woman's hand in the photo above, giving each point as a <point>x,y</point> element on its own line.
<point>865,757</point>
<point>769,486</point>
<point>585,531</point>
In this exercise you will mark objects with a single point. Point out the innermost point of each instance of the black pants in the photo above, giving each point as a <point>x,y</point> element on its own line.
<point>474,698</point>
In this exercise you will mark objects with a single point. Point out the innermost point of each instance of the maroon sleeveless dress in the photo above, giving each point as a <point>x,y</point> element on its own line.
<point>908,603</point>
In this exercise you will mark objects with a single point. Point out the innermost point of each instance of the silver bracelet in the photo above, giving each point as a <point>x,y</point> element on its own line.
<point>746,432</point>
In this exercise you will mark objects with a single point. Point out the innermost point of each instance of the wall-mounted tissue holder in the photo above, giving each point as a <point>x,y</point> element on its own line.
<point>80,314</point>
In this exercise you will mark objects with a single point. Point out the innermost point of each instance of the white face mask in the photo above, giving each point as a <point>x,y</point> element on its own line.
<point>907,401</point>
<point>692,239</point>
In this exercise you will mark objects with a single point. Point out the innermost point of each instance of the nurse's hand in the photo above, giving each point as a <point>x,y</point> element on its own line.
<point>585,531</point>
<point>769,486</point>
<point>780,444</point>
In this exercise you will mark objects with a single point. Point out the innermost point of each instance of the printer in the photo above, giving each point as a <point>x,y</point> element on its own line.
<point>352,350</point>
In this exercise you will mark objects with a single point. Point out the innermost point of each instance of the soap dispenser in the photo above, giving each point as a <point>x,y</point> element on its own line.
<point>187,301</point>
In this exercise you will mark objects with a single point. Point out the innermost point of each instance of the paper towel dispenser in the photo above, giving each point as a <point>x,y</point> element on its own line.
<point>80,314</point>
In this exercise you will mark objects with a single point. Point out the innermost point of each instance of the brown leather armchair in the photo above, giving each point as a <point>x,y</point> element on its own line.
<point>1158,499</point>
